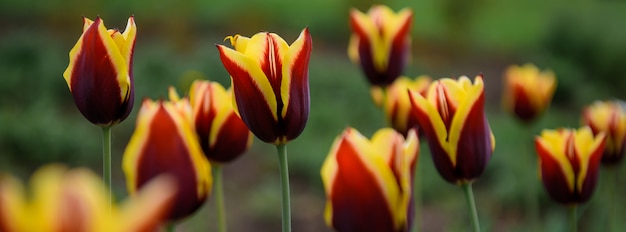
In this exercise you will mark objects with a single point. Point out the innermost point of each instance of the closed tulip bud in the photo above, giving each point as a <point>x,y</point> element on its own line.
<point>165,142</point>
<point>223,135</point>
<point>75,200</point>
<point>609,118</point>
<point>569,161</point>
<point>368,183</point>
<point>380,42</point>
<point>451,114</point>
<point>270,81</point>
<point>527,91</point>
<point>100,73</point>
<point>397,105</point>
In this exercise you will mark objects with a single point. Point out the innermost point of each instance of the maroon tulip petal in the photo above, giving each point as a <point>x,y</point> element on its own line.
<point>523,107</point>
<point>357,201</point>
<point>553,178</point>
<point>231,141</point>
<point>474,147</point>
<point>165,153</point>
<point>589,184</point>
<point>299,99</point>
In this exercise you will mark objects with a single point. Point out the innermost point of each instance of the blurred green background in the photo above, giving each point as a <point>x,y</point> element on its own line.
<point>583,41</point>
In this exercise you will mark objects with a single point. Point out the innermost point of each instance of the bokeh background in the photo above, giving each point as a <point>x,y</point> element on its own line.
<point>583,41</point>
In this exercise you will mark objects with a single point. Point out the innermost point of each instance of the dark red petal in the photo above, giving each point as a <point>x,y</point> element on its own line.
<point>232,140</point>
<point>253,108</point>
<point>440,157</point>
<point>474,147</point>
<point>166,152</point>
<point>522,106</point>
<point>589,183</point>
<point>358,205</point>
<point>299,100</point>
<point>366,59</point>
<point>203,123</point>
<point>94,85</point>
<point>554,180</point>
<point>400,51</point>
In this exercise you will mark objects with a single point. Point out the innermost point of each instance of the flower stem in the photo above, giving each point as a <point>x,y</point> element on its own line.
<point>284,180</point>
<point>170,227</point>
<point>106,161</point>
<point>218,189</point>
<point>573,218</point>
<point>469,196</point>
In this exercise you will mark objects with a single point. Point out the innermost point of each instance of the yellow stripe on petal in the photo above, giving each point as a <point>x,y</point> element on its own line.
<point>555,142</point>
<point>137,141</point>
<point>221,103</point>
<point>459,119</point>
<point>585,147</point>
<point>380,50</point>
<point>86,23</point>
<point>130,33</point>
<point>117,60</point>
<point>353,49</point>
<point>249,65</point>
<point>289,55</point>
<point>435,120</point>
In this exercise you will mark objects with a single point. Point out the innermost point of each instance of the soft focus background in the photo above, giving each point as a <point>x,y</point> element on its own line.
<point>584,42</point>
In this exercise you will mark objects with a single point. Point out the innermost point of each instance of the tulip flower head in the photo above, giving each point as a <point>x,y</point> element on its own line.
<point>397,105</point>
<point>569,161</point>
<point>380,42</point>
<point>608,117</point>
<point>100,73</point>
<point>223,135</point>
<point>165,142</point>
<point>527,91</point>
<point>451,114</point>
<point>368,183</point>
<point>75,200</point>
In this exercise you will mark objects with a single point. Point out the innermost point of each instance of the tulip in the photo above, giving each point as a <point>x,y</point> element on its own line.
<point>608,117</point>
<point>527,92</point>
<point>270,81</point>
<point>223,135</point>
<point>368,183</point>
<point>100,74</point>
<point>380,42</point>
<point>397,105</point>
<point>451,114</point>
<point>569,162</point>
<point>165,142</point>
<point>73,200</point>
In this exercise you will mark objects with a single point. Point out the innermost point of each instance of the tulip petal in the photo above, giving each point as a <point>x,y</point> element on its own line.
<point>556,176</point>
<point>295,88</point>
<point>590,152</point>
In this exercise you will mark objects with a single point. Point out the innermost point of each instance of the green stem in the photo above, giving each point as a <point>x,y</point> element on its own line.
<point>284,180</point>
<point>573,216</point>
<point>170,227</point>
<point>218,189</point>
<point>469,196</point>
<point>106,161</point>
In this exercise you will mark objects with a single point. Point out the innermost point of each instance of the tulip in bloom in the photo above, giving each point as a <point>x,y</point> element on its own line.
<point>569,162</point>
<point>380,42</point>
<point>270,81</point>
<point>397,105</point>
<point>451,114</point>
<point>100,73</point>
<point>75,200</point>
<point>223,135</point>
<point>368,183</point>
<point>527,91</point>
<point>608,117</point>
<point>165,142</point>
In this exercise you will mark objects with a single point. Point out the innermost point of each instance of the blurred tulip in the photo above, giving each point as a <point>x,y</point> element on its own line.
<point>527,92</point>
<point>100,73</point>
<point>223,135</point>
<point>451,114</point>
<point>569,162</point>
<point>397,105</point>
<point>74,200</point>
<point>608,117</point>
<point>380,42</point>
<point>165,142</point>
<point>368,183</point>
<point>270,81</point>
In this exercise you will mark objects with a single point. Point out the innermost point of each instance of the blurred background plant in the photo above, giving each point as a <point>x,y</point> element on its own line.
<point>583,42</point>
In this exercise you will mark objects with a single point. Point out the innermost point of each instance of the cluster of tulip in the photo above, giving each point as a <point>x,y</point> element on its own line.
<point>173,160</point>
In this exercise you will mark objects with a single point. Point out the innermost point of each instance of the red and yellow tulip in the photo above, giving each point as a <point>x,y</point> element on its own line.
<point>527,91</point>
<point>270,80</point>
<point>451,114</point>
<point>223,135</point>
<point>368,183</point>
<point>397,105</point>
<point>569,162</point>
<point>75,200</point>
<point>608,117</point>
<point>380,42</point>
<point>100,73</point>
<point>165,142</point>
